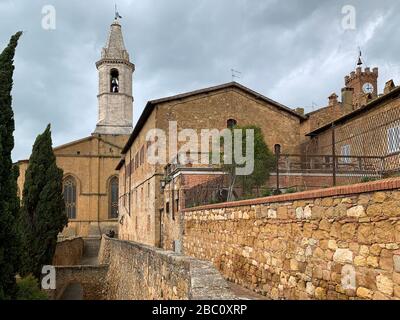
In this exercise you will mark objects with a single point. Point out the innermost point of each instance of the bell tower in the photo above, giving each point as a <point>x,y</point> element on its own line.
<point>115,100</point>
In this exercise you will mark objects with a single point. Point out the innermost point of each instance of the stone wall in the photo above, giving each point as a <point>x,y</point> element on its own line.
<point>337,243</point>
<point>91,278</point>
<point>68,252</point>
<point>140,272</point>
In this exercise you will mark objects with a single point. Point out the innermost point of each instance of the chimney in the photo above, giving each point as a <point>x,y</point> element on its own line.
<point>347,99</point>
<point>389,86</point>
<point>300,111</point>
<point>333,101</point>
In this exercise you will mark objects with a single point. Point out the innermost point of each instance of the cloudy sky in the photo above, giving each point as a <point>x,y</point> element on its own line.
<point>293,51</point>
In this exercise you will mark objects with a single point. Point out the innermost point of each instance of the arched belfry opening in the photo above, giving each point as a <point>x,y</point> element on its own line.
<point>114,81</point>
<point>231,123</point>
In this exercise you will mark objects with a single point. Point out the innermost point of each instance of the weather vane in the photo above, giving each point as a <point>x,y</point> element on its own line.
<point>117,15</point>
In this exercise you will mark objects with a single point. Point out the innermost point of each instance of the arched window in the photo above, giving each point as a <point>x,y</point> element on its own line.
<point>113,191</point>
<point>69,187</point>
<point>114,81</point>
<point>231,123</point>
<point>277,149</point>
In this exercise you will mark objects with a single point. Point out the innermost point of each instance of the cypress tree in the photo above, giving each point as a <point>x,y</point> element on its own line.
<point>43,209</point>
<point>8,185</point>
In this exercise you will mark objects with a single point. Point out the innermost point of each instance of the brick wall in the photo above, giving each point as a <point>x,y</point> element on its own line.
<point>337,243</point>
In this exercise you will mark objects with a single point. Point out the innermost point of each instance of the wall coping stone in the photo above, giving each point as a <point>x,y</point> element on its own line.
<point>205,281</point>
<point>381,185</point>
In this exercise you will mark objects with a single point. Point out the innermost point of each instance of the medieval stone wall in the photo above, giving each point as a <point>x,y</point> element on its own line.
<point>68,252</point>
<point>90,278</point>
<point>337,243</point>
<point>138,272</point>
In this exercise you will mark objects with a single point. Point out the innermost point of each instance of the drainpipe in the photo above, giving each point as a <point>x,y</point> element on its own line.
<point>333,155</point>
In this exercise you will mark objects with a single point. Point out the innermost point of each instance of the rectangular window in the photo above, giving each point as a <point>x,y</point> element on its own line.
<point>393,136</point>
<point>346,152</point>
<point>142,155</point>
<point>167,208</point>
<point>137,160</point>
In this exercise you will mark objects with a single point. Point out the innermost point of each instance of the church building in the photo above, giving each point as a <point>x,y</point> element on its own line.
<point>90,179</point>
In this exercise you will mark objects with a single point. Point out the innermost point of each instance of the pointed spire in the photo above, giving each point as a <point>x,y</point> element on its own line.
<point>115,47</point>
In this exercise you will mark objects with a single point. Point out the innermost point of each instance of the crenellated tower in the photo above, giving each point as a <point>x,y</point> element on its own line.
<point>360,87</point>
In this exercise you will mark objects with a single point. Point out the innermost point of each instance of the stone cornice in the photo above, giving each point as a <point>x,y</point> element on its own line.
<point>115,61</point>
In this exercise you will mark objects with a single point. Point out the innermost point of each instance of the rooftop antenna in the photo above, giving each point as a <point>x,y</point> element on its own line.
<point>117,15</point>
<point>235,74</point>
<point>314,106</point>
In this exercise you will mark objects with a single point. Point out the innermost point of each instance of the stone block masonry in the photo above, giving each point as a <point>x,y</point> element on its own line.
<point>337,243</point>
<point>140,272</point>
<point>68,252</point>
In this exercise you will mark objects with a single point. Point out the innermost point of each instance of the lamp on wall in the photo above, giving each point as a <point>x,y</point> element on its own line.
<point>164,182</point>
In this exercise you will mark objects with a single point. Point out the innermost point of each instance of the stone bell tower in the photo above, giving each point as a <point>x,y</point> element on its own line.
<point>115,86</point>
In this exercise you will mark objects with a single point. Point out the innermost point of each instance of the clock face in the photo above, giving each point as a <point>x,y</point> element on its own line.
<point>368,88</point>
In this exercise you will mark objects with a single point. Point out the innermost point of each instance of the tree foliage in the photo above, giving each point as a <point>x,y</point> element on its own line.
<point>264,163</point>
<point>28,289</point>
<point>9,203</point>
<point>43,209</point>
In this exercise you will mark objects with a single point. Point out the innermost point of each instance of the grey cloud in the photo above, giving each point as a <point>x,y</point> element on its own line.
<point>293,51</point>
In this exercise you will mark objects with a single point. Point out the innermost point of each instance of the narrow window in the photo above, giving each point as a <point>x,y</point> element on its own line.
<point>113,202</point>
<point>114,81</point>
<point>69,187</point>
<point>142,155</point>
<point>393,136</point>
<point>346,153</point>
<point>231,123</point>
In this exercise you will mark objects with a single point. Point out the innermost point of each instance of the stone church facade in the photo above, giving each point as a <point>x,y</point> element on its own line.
<point>90,179</point>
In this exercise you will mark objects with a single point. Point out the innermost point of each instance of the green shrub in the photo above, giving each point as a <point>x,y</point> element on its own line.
<point>368,179</point>
<point>267,193</point>
<point>290,190</point>
<point>28,289</point>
